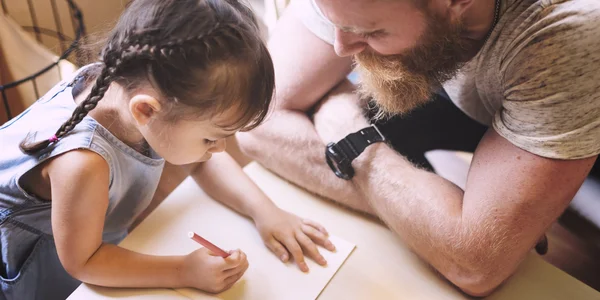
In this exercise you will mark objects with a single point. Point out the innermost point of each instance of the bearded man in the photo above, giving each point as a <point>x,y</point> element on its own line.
<point>517,82</point>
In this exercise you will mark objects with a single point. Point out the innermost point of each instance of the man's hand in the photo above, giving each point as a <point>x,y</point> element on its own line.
<point>340,113</point>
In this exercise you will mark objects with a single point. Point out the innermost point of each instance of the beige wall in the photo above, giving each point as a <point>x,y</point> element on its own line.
<point>98,15</point>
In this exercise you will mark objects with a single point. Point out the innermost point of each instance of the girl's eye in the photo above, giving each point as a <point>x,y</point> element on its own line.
<point>209,142</point>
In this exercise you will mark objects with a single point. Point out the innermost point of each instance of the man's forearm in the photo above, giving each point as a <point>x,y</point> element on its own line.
<point>289,145</point>
<point>423,208</point>
<point>476,250</point>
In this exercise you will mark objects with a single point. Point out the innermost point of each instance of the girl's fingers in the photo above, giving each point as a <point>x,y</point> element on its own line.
<point>318,237</point>
<point>231,280</point>
<point>234,260</point>
<point>240,268</point>
<point>278,249</point>
<point>316,225</point>
<point>310,248</point>
<point>291,244</point>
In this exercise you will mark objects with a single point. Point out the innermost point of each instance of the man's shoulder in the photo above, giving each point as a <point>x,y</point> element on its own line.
<point>544,32</point>
<point>558,19</point>
<point>572,16</point>
<point>549,79</point>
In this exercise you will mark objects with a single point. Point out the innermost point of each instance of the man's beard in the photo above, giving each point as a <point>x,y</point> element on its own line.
<point>399,83</point>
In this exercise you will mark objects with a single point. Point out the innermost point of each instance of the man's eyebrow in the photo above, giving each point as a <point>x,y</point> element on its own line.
<point>351,29</point>
<point>357,30</point>
<point>348,29</point>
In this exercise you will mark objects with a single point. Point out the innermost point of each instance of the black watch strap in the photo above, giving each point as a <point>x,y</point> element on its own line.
<point>355,143</point>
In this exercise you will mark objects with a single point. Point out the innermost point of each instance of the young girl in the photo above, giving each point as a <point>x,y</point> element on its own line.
<point>176,77</point>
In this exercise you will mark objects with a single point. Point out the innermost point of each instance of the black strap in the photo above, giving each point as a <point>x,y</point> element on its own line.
<point>355,143</point>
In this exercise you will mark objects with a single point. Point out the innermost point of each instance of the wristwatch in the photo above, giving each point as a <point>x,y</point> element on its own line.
<point>339,156</point>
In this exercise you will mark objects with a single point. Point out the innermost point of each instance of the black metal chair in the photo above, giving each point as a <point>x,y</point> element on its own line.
<point>57,33</point>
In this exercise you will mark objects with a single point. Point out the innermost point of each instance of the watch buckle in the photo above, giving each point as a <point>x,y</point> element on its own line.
<point>380,134</point>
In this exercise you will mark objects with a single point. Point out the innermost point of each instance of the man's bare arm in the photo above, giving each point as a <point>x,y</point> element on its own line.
<point>478,237</point>
<point>306,69</point>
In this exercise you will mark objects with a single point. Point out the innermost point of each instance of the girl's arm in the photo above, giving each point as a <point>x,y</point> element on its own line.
<point>224,180</point>
<point>79,183</point>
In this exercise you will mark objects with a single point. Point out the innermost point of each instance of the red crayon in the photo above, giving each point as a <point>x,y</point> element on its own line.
<point>208,245</point>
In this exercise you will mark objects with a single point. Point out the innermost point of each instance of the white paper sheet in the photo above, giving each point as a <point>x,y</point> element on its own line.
<point>91,292</point>
<point>189,209</point>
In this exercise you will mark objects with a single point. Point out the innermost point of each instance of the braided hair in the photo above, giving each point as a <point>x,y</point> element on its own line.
<point>203,55</point>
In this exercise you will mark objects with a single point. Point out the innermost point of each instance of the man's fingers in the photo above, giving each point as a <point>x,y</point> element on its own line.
<point>542,245</point>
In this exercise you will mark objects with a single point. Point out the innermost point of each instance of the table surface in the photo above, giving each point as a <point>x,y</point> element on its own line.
<point>381,266</point>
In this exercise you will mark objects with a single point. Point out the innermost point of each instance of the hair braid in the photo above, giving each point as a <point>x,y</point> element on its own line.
<point>137,47</point>
<point>98,90</point>
<point>134,48</point>
<point>91,101</point>
<point>140,48</point>
<point>170,48</point>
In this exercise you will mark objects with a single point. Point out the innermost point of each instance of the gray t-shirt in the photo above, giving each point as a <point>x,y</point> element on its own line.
<point>536,80</point>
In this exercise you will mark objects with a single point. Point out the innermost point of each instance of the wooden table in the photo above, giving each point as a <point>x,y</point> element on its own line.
<point>381,266</point>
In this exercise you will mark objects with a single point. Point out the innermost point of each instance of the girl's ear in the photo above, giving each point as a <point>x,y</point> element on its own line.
<point>143,108</point>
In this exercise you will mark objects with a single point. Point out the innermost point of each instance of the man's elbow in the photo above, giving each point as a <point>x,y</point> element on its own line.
<point>248,143</point>
<point>476,285</point>
<point>479,281</point>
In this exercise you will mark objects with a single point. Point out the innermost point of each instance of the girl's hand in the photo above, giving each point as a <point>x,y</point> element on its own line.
<point>285,233</point>
<point>208,272</point>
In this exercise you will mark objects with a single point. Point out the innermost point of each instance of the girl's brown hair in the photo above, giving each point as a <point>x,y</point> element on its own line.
<point>203,56</point>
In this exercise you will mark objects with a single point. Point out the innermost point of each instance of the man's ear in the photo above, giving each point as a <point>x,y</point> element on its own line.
<point>457,8</point>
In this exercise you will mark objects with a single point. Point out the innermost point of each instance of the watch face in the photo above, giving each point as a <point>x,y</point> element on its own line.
<point>338,162</point>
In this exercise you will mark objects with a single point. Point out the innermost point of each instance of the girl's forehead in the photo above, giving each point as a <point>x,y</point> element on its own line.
<point>228,120</point>
<point>221,134</point>
<point>208,127</point>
